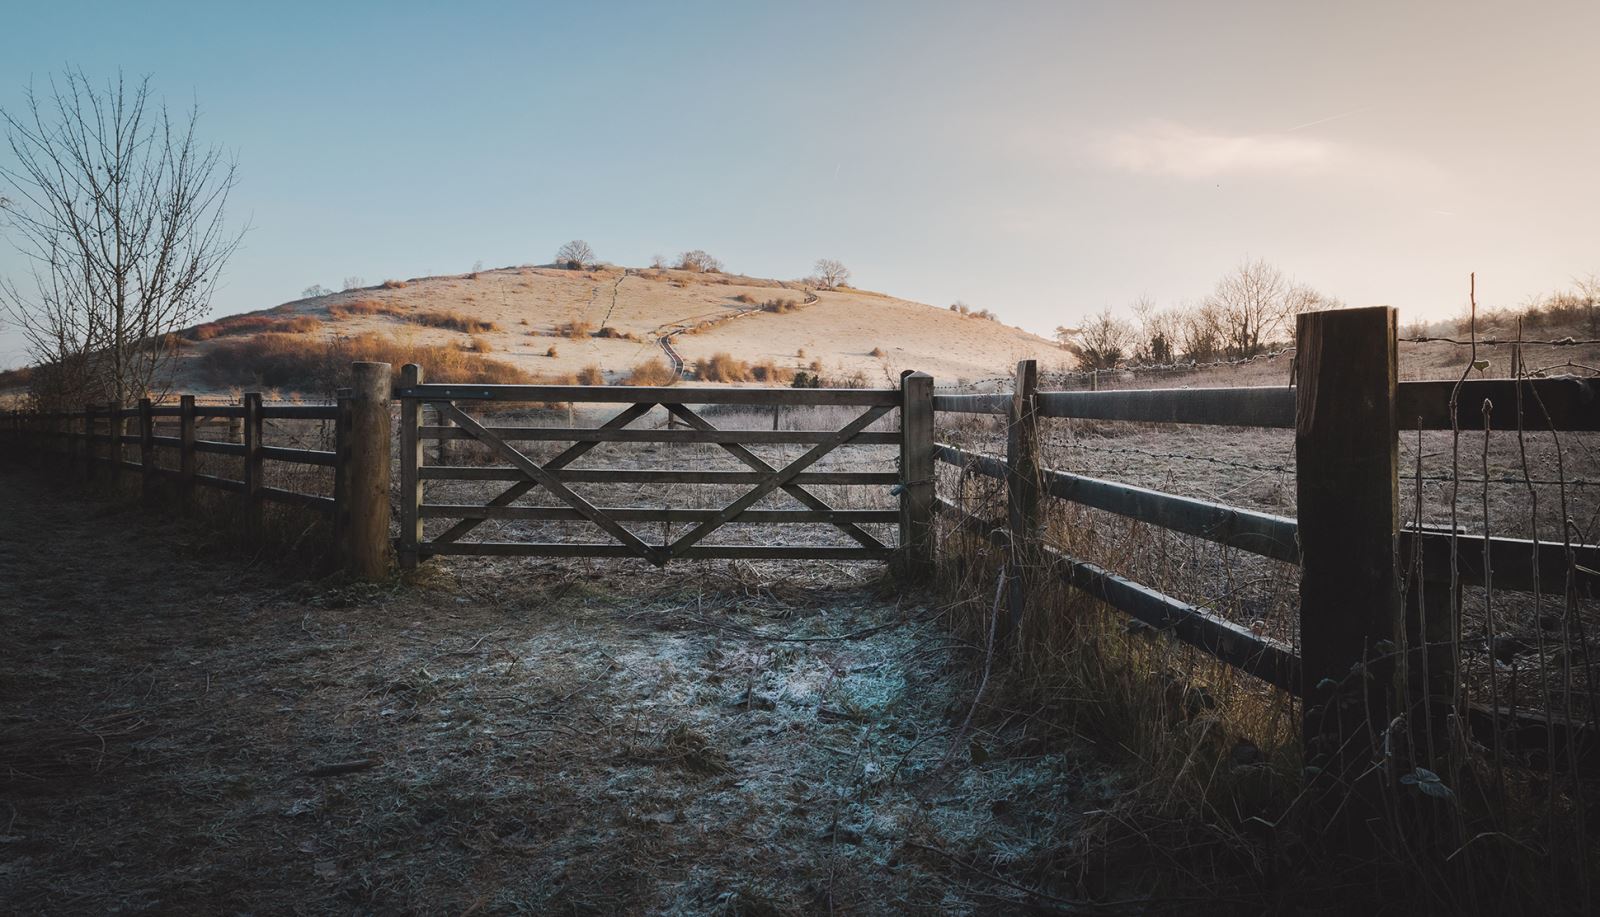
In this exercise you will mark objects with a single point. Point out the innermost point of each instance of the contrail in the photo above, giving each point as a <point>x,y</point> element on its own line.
<point>1301,127</point>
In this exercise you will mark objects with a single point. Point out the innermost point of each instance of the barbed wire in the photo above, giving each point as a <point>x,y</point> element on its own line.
<point>1496,342</point>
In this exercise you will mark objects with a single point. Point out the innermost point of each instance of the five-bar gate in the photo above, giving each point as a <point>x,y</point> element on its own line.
<point>551,478</point>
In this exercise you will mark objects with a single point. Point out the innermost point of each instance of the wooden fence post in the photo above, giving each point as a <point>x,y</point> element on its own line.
<point>187,465</point>
<point>1022,492</point>
<point>366,542</point>
<point>1346,462</point>
<point>253,467</point>
<point>343,417</point>
<point>147,452</point>
<point>410,478</point>
<point>88,442</point>
<point>917,531</point>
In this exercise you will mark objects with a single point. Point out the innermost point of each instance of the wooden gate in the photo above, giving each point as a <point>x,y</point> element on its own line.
<point>911,481</point>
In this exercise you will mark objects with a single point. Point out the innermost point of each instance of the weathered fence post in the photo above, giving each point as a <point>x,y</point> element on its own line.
<point>88,442</point>
<point>917,532</point>
<point>1346,463</point>
<point>1022,493</point>
<point>186,455</point>
<point>344,414</point>
<point>253,467</point>
<point>410,464</point>
<point>366,534</point>
<point>147,451</point>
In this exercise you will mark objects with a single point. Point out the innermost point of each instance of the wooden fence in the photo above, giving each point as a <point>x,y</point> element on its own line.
<point>1347,412</point>
<point>97,441</point>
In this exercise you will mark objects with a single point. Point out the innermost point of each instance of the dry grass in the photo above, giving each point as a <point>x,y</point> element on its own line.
<point>254,324</point>
<point>654,371</point>
<point>453,321</point>
<point>591,375</point>
<point>577,329</point>
<point>361,307</point>
<point>779,306</point>
<point>302,363</point>
<point>394,284</point>
<point>617,334</point>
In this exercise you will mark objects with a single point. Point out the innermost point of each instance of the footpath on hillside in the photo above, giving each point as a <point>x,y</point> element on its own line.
<point>184,731</point>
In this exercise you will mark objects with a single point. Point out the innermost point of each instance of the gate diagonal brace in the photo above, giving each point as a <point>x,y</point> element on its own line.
<point>797,491</point>
<point>550,482</point>
<point>577,450</point>
<point>776,480</point>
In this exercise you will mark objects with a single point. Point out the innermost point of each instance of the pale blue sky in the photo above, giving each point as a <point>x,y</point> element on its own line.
<point>1040,159</point>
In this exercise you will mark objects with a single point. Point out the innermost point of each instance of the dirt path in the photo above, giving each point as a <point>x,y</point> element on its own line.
<point>518,738</point>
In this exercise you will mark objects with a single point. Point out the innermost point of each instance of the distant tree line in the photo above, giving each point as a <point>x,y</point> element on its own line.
<point>1251,309</point>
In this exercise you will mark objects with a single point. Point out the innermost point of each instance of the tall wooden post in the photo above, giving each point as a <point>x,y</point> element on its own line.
<point>1022,492</point>
<point>88,442</point>
<point>1346,460</point>
<point>410,475</point>
<point>366,535</point>
<point>917,531</point>
<point>147,451</point>
<point>344,415</point>
<point>187,465</point>
<point>253,504</point>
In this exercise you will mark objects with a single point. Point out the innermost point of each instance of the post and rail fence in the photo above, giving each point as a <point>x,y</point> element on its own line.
<point>1347,411</point>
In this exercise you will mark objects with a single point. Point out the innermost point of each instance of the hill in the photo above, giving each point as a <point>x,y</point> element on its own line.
<point>556,325</point>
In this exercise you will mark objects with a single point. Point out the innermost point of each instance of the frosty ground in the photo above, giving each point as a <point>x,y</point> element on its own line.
<point>181,732</point>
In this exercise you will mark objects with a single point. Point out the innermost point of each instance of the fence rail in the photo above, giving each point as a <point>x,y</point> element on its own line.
<point>1347,413</point>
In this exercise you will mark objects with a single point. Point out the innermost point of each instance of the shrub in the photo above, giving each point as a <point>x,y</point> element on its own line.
<point>651,372</point>
<point>253,324</point>
<point>575,255</point>
<point>577,329</point>
<point>769,372</point>
<point>294,361</point>
<point>479,345</point>
<point>816,366</point>
<point>779,306</point>
<point>877,352</point>
<point>801,353</point>
<point>591,375</point>
<point>721,367</point>
<point>365,307</point>
<point>610,332</point>
<point>745,298</point>
<point>394,284</point>
<point>453,321</point>
<point>552,352</point>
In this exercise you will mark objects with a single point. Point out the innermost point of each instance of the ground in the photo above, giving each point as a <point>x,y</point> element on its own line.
<point>183,731</point>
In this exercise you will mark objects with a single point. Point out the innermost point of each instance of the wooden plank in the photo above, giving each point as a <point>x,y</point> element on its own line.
<point>1511,559</point>
<point>411,458</point>
<point>293,498</point>
<point>775,481</point>
<point>654,514</point>
<point>300,411</point>
<point>214,447</point>
<point>750,459</point>
<point>998,404</point>
<point>550,483</point>
<point>1562,403</point>
<point>300,456</point>
<point>1267,406</point>
<point>1346,459</point>
<point>567,456</point>
<point>698,552</point>
<point>655,476</point>
<point>859,397</point>
<point>918,534</point>
<point>715,436</point>
<point>254,480</point>
<point>220,483</point>
<point>1262,657</point>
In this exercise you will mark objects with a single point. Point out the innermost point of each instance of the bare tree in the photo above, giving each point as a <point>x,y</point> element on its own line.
<point>1253,303</point>
<point>1157,333</point>
<point>1200,332</point>
<point>313,291</point>
<point>575,255</point>
<point>1103,341</point>
<point>352,283</point>
<point>829,274</point>
<point>119,208</point>
<point>699,261</point>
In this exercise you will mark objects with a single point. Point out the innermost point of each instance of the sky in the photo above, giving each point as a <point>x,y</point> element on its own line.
<point>1041,159</point>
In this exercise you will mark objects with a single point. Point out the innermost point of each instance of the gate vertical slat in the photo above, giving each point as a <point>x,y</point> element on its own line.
<point>917,531</point>
<point>410,470</point>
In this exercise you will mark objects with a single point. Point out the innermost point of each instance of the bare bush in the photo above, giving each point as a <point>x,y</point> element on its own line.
<point>829,274</point>
<point>1103,342</point>
<point>699,262</point>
